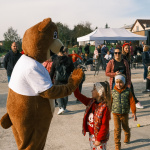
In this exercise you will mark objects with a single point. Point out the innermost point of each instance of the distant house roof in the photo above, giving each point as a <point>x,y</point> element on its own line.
<point>142,22</point>
<point>127,26</point>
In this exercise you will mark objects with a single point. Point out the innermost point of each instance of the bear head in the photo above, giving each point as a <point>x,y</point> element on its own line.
<point>40,40</point>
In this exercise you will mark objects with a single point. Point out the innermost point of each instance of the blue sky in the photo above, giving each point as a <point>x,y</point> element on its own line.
<point>22,14</point>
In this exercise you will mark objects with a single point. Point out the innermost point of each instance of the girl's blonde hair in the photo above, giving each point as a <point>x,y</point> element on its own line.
<point>124,53</point>
<point>107,94</point>
<point>119,80</point>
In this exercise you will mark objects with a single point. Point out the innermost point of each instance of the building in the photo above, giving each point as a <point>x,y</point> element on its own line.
<point>127,27</point>
<point>142,27</point>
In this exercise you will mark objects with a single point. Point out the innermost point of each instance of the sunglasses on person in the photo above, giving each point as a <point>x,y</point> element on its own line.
<point>117,53</point>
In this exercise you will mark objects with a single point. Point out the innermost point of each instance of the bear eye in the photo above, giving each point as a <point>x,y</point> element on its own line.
<point>55,35</point>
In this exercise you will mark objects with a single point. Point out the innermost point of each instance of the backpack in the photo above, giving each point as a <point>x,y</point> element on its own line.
<point>61,73</point>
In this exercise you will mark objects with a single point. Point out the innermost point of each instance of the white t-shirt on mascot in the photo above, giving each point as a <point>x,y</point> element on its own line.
<point>29,77</point>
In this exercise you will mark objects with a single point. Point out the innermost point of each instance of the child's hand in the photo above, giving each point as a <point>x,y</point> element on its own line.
<point>148,77</point>
<point>135,118</point>
<point>75,78</point>
<point>97,143</point>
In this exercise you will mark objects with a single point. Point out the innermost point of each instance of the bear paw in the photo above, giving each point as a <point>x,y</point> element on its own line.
<point>75,78</point>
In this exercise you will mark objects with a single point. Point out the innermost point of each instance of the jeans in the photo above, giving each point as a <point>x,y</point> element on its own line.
<point>103,61</point>
<point>145,71</point>
<point>8,77</point>
<point>132,91</point>
<point>62,102</point>
<point>148,84</point>
<point>80,88</point>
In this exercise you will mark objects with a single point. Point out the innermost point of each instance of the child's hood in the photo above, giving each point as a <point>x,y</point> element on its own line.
<point>120,91</point>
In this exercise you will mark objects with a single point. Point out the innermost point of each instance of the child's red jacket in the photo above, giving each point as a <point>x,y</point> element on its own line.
<point>101,129</point>
<point>75,57</point>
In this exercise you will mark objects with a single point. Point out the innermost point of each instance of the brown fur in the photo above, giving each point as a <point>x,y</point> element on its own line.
<point>38,39</point>
<point>30,116</point>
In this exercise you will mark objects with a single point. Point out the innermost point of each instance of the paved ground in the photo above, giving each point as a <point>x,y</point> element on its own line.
<point>65,130</point>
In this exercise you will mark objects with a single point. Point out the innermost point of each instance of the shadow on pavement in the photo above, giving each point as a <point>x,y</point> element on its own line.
<point>136,73</point>
<point>147,106</point>
<point>138,146</point>
<point>73,103</point>
<point>73,112</point>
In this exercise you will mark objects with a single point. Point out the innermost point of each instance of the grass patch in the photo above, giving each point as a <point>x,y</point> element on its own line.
<point>92,48</point>
<point>1,54</point>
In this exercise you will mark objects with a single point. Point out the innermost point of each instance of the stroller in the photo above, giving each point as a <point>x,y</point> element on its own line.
<point>80,62</point>
<point>136,60</point>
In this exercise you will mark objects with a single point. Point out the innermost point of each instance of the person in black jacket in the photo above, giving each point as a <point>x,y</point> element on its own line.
<point>64,60</point>
<point>80,50</point>
<point>146,60</point>
<point>87,49</point>
<point>10,59</point>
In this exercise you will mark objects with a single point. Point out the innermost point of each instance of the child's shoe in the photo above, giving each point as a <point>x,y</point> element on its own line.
<point>127,142</point>
<point>118,146</point>
<point>127,139</point>
<point>61,110</point>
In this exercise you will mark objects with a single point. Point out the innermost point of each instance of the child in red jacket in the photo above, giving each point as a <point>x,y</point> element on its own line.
<point>74,56</point>
<point>97,114</point>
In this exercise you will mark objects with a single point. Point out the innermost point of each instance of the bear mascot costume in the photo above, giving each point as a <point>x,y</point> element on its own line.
<point>29,111</point>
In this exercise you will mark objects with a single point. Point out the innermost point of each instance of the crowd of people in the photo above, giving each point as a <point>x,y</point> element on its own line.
<point>117,96</point>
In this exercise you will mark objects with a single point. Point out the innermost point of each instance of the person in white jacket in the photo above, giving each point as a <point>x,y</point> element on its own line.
<point>108,56</point>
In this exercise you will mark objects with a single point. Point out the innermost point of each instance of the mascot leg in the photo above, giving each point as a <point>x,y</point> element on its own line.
<point>30,122</point>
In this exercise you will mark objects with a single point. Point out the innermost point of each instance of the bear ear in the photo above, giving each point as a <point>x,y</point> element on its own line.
<point>44,24</point>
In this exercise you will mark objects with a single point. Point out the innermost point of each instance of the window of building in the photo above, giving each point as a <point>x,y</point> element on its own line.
<point>137,28</point>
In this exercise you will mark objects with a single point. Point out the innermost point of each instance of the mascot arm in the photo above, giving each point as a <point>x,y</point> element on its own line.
<point>56,91</point>
<point>59,91</point>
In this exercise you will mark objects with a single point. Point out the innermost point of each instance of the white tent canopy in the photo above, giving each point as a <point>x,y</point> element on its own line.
<point>111,34</point>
